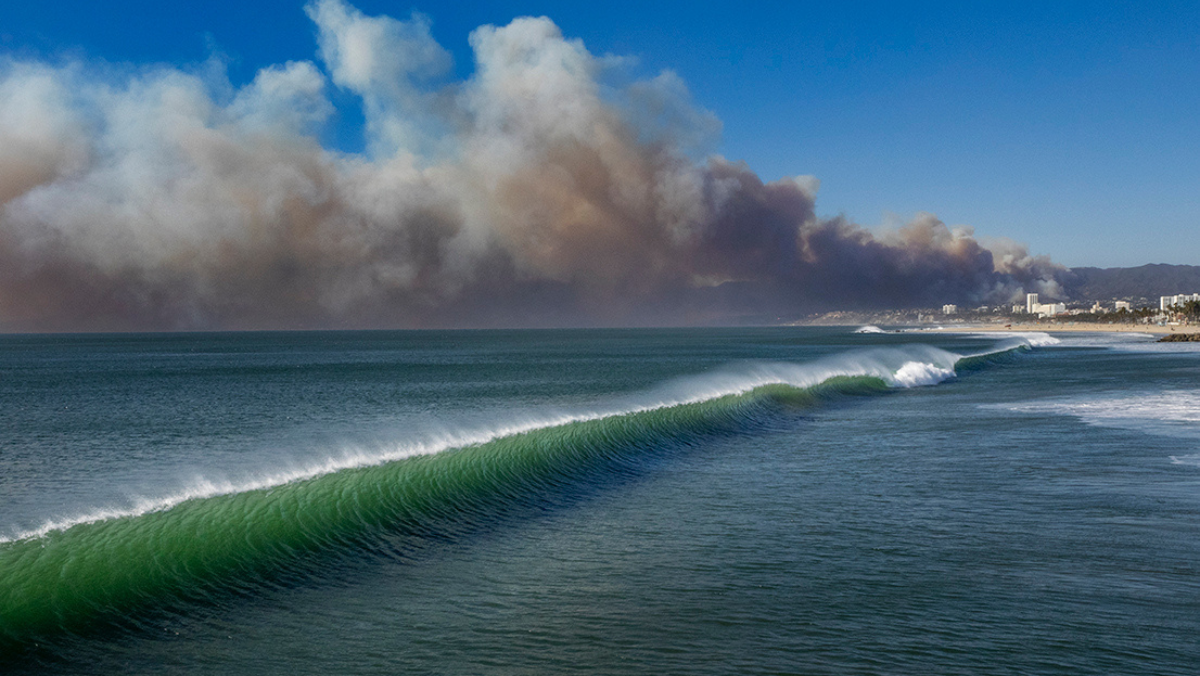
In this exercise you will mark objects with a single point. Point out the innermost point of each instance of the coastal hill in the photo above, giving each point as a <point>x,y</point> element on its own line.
<point>1146,281</point>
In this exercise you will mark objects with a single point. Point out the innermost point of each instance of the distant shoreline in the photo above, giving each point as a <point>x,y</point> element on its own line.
<point>1075,327</point>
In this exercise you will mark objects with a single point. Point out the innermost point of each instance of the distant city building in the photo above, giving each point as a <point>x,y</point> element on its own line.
<point>1049,309</point>
<point>1121,305</point>
<point>950,309</point>
<point>1165,302</point>
<point>1033,307</point>
<point>1018,309</point>
<point>1097,309</point>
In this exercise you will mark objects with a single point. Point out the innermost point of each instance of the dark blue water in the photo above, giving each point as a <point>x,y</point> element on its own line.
<point>785,500</point>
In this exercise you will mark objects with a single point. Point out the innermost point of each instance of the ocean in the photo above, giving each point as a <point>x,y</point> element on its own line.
<point>684,501</point>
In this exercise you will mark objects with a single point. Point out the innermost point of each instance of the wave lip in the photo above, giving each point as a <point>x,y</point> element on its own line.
<point>869,329</point>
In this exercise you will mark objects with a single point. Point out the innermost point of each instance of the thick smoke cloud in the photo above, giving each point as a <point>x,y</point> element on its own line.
<point>530,194</point>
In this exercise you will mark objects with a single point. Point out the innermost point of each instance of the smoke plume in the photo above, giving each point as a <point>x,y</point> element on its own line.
<point>532,193</point>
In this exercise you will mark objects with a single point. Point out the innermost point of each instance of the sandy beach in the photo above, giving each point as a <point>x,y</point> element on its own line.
<point>1059,326</point>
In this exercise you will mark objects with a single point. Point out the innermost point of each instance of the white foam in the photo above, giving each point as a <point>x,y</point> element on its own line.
<point>1169,413</point>
<point>1030,338</point>
<point>915,374</point>
<point>1126,341</point>
<point>1176,406</point>
<point>1037,338</point>
<point>1193,460</point>
<point>1103,339</point>
<point>869,329</point>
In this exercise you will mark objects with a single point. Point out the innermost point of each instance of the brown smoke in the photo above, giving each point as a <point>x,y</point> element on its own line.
<point>526,195</point>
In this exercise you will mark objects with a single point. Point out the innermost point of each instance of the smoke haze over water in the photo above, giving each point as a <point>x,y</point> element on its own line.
<point>536,192</point>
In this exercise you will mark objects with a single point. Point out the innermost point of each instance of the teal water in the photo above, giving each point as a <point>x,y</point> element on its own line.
<point>785,500</point>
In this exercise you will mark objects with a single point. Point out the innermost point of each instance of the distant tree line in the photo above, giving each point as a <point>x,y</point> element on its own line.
<point>1187,310</point>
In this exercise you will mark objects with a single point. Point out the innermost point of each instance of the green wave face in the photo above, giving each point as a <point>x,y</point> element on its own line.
<point>98,573</point>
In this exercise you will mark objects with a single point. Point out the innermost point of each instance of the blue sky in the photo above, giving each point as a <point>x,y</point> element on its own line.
<point>1069,126</point>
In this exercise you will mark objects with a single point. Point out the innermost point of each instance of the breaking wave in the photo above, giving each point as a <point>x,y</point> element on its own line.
<point>215,539</point>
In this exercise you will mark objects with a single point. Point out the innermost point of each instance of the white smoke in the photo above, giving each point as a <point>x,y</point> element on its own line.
<point>530,193</point>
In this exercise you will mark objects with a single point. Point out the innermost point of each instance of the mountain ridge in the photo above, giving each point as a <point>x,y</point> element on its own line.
<point>1144,281</point>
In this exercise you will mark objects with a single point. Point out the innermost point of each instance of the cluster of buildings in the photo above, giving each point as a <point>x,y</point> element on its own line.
<point>1032,306</point>
<point>1098,309</point>
<point>1165,302</point>
<point>1100,313</point>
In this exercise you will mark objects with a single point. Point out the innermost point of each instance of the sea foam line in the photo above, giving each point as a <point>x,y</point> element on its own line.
<point>1145,409</point>
<point>899,367</point>
<point>1030,338</point>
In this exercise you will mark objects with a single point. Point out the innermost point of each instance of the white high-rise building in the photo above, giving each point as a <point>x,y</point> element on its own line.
<point>1031,301</point>
<point>1165,302</point>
